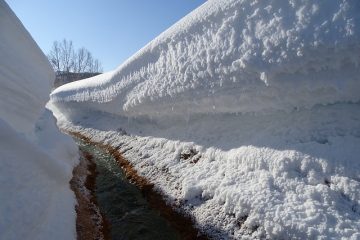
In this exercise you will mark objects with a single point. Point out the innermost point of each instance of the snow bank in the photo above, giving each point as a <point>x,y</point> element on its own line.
<point>276,176</point>
<point>236,56</point>
<point>36,159</point>
<point>267,145</point>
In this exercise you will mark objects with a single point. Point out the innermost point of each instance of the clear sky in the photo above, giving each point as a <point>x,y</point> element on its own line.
<point>112,30</point>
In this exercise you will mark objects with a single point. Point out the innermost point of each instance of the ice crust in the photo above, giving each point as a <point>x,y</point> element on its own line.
<point>36,160</point>
<point>236,56</point>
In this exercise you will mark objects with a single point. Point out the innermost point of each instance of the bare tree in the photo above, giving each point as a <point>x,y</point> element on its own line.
<point>89,62</point>
<point>80,60</point>
<point>54,56</point>
<point>97,66</point>
<point>65,59</point>
<point>67,56</point>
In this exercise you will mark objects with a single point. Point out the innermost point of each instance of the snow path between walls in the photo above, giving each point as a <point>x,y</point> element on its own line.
<point>283,175</point>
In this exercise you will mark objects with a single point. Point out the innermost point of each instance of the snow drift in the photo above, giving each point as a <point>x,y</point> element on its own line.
<point>36,159</point>
<point>244,114</point>
<point>237,56</point>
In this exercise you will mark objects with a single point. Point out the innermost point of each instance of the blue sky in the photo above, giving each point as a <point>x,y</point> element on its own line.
<point>112,30</point>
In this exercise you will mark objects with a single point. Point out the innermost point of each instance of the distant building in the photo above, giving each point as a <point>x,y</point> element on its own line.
<point>67,77</point>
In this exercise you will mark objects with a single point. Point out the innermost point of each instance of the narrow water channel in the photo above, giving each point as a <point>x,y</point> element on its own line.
<point>123,204</point>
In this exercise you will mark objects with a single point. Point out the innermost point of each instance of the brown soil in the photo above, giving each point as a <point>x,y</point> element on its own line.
<point>183,224</point>
<point>90,223</point>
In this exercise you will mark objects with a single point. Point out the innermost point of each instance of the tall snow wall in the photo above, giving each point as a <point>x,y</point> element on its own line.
<point>36,160</point>
<point>236,56</point>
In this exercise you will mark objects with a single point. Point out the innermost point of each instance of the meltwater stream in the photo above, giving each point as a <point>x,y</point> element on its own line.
<point>123,204</point>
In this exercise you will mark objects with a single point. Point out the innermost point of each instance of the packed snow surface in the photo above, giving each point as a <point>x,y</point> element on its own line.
<point>245,114</point>
<point>36,160</point>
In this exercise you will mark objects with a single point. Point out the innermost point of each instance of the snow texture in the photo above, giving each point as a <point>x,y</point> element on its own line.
<point>277,176</point>
<point>237,56</point>
<point>36,160</point>
<point>245,114</point>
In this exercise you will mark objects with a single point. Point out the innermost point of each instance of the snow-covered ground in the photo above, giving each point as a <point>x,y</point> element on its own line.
<point>36,159</point>
<point>245,114</point>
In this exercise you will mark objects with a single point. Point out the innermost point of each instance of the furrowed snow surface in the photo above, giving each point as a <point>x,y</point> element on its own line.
<point>36,159</point>
<point>245,114</point>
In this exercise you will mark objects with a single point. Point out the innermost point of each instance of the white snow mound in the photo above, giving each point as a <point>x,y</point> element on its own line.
<point>236,56</point>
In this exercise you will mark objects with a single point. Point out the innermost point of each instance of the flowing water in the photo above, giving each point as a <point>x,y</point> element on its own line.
<point>123,204</point>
